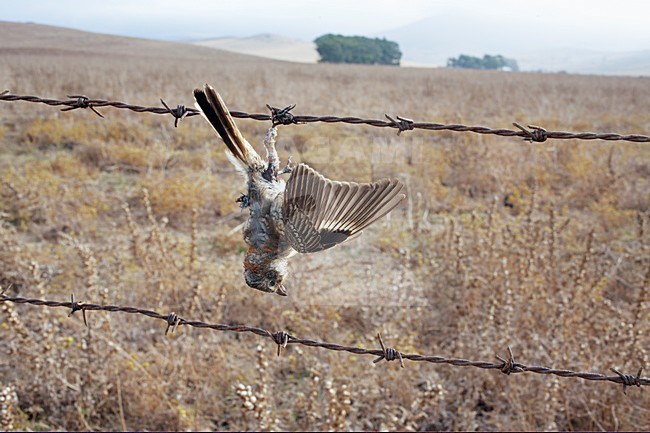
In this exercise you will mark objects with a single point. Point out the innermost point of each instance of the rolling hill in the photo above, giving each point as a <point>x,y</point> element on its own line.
<point>501,243</point>
<point>267,45</point>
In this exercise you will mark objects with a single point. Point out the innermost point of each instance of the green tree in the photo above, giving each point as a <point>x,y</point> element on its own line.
<point>488,61</point>
<point>512,64</point>
<point>492,62</point>
<point>390,53</point>
<point>357,49</point>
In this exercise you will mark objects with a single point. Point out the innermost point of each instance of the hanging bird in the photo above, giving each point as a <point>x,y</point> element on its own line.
<point>307,214</point>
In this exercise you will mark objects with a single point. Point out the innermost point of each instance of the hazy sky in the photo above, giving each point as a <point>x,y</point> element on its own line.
<point>617,25</point>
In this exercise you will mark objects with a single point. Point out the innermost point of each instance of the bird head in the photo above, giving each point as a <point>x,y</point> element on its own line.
<point>268,280</point>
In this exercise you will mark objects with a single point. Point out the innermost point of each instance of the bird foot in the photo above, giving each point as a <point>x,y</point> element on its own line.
<point>287,168</point>
<point>244,201</point>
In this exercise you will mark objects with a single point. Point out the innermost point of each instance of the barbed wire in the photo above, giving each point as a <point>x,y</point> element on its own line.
<point>284,117</point>
<point>282,339</point>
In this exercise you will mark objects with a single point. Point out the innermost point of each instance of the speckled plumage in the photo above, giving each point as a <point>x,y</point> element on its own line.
<point>307,214</point>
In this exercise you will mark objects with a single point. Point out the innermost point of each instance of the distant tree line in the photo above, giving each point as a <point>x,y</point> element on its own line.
<point>357,49</point>
<point>497,62</point>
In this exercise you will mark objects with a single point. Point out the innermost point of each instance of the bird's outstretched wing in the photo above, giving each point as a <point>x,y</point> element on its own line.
<point>319,213</point>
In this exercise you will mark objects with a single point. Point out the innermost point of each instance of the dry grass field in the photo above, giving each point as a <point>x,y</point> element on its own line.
<point>541,247</point>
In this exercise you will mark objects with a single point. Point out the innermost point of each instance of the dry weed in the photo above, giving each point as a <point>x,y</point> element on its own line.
<point>543,247</point>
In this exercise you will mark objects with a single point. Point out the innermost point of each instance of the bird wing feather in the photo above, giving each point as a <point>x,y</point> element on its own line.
<point>319,213</point>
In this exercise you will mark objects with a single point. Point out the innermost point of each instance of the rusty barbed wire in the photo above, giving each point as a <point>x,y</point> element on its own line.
<point>282,339</point>
<point>282,116</point>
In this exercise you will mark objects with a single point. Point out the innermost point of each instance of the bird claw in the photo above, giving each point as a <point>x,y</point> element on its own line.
<point>287,168</point>
<point>244,201</point>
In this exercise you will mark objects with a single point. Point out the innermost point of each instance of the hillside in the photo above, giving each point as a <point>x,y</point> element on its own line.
<point>449,33</point>
<point>269,46</point>
<point>37,39</point>
<point>540,247</point>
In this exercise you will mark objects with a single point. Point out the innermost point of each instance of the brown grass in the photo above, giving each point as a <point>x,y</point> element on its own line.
<point>543,247</point>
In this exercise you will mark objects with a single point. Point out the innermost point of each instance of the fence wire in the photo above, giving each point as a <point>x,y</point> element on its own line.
<point>285,117</point>
<point>282,339</point>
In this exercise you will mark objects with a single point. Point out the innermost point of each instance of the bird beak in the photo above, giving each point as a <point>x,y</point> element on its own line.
<point>281,290</point>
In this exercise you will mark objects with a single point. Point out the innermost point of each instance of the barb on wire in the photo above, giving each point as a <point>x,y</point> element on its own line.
<point>536,133</point>
<point>282,116</point>
<point>282,339</point>
<point>402,123</point>
<point>509,365</point>
<point>82,102</point>
<point>172,322</point>
<point>74,307</point>
<point>629,380</point>
<point>179,112</point>
<point>388,353</point>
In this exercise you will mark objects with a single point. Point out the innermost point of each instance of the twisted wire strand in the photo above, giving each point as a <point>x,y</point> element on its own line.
<point>282,339</point>
<point>282,116</point>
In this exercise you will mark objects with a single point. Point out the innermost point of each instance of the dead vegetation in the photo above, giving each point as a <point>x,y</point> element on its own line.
<point>543,247</point>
